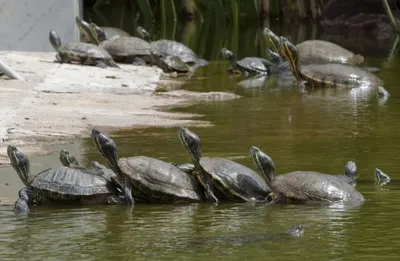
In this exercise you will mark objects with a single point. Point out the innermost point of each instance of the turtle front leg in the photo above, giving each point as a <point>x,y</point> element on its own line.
<point>127,190</point>
<point>207,184</point>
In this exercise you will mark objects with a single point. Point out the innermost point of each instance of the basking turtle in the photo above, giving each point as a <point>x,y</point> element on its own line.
<point>304,186</point>
<point>104,33</point>
<point>169,64</point>
<point>281,66</point>
<point>124,49</point>
<point>73,185</point>
<point>248,64</point>
<point>83,53</point>
<point>173,48</point>
<point>328,74</point>
<point>317,51</point>
<point>222,178</point>
<point>152,180</point>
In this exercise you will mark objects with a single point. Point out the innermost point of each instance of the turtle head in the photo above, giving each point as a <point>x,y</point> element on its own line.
<point>295,231</point>
<point>291,54</point>
<point>84,28</point>
<point>273,39</point>
<point>67,159</point>
<point>191,142</point>
<point>143,33</point>
<point>98,34</point>
<point>20,163</point>
<point>350,170</point>
<point>275,57</point>
<point>264,164</point>
<point>21,205</point>
<point>55,40</point>
<point>107,148</point>
<point>381,177</point>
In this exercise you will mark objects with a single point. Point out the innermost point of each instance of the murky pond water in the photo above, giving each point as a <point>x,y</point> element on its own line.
<point>317,130</point>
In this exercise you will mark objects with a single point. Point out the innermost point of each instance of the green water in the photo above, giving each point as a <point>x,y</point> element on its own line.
<point>317,130</point>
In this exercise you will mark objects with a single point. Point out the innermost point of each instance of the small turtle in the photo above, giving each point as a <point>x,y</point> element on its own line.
<point>64,184</point>
<point>83,53</point>
<point>172,48</point>
<point>169,64</point>
<point>248,64</point>
<point>304,186</point>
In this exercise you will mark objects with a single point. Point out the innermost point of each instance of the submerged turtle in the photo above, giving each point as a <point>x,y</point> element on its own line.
<point>104,33</point>
<point>73,185</point>
<point>172,48</point>
<point>317,51</point>
<point>247,64</point>
<point>231,180</point>
<point>350,173</point>
<point>328,74</point>
<point>169,64</point>
<point>152,180</point>
<point>304,186</point>
<point>83,53</point>
<point>381,177</point>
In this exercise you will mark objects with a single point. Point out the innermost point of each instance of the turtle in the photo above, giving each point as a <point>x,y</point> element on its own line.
<point>231,180</point>
<point>150,179</point>
<point>68,160</point>
<point>381,177</point>
<point>169,64</point>
<point>124,49</point>
<point>105,33</point>
<point>327,74</point>
<point>248,64</point>
<point>63,184</point>
<point>304,186</point>
<point>83,53</point>
<point>317,51</point>
<point>172,48</point>
<point>21,205</point>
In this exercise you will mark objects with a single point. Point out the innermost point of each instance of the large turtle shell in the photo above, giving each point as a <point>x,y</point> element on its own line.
<point>235,181</point>
<point>66,183</point>
<point>254,64</point>
<point>154,180</point>
<point>315,186</point>
<point>78,51</point>
<point>317,51</point>
<point>127,47</point>
<point>339,75</point>
<point>173,48</point>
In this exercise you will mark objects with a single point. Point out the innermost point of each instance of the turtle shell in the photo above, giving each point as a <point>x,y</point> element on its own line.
<point>173,48</point>
<point>317,51</point>
<point>254,64</point>
<point>154,180</point>
<point>78,51</point>
<point>72,183</point>
<point>315,186</point>
<point>339,75</point>
<point>126,48</point>
<point>113,32</point>
<point>235,181</point>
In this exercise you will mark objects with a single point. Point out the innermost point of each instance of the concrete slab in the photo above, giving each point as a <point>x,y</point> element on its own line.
<point>58,102</point>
